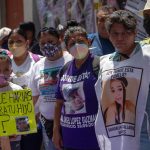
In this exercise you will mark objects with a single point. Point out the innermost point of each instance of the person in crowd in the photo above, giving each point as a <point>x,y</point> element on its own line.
<point>22,124</point>
<point>100,43</point>
<point>44,80</point>
<point>131,61</point>
<point>13,142</point>
<point>61,30</point>
<point>6,51</point>
<point>71,23</point>
<point>119,4</point>
<point>4,32</point>
<point>22,64</point>
<point>145,142</point>
<point>77,131</point>
<point>29,28</point>
<point>121,108</point>
<point>76,102</point>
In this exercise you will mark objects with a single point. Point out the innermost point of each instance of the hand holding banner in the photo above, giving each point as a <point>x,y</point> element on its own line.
<point>17,113</point>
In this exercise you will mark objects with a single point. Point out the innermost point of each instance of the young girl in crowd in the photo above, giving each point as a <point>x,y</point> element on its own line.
<point>13,142</point>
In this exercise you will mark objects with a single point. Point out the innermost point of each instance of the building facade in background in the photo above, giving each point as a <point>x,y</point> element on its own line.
<point>53,12</point>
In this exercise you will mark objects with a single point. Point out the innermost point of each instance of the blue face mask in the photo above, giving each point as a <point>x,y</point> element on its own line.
<point>49,50</point>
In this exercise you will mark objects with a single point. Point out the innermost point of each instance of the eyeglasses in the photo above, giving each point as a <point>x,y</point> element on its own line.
<point>79,40</point>
<point>124,34</point>
<point>102,18</point>
<point>17,43</point>
<point>43,44</point>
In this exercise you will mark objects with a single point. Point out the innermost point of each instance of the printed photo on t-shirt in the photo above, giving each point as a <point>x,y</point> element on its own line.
<point>75,98</point>
<point>47,83</point>
<point>120,89</point>
<point>49,76</point>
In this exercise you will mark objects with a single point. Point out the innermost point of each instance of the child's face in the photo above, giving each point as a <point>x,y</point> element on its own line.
<point>5,72</point>
<point>5,67</point>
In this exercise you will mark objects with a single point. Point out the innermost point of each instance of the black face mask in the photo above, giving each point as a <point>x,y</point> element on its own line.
<point>146,24</point>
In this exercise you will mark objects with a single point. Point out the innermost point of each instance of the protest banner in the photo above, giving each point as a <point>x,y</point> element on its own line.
<point>17,113</point>
<point>135,6</point>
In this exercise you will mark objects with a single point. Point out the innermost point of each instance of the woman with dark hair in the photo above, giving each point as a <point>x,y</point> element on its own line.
<point>29,29</point>
<point>44,80</point>
<point>22,59</point>
<point>77,130</point>
<point>121,108</point>
<point>130,60</point>
<point>22,64</point>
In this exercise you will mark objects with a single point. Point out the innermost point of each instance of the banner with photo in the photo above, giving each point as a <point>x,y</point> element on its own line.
<point>55,12</point>
<point>119,99</point>
<point>17,113</point>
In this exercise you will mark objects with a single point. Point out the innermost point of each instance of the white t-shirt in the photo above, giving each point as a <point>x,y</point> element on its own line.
<point>121,82</point>
<point>43,83</point>
<point>12,87</point>
<point>21,74</point>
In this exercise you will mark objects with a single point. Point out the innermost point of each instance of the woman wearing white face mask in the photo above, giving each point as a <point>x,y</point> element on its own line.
<point>22,63</point>
<point>23,60</point>
<point>81,74</point>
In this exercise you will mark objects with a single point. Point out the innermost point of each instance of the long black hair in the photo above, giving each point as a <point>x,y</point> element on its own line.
<point>124,84</point>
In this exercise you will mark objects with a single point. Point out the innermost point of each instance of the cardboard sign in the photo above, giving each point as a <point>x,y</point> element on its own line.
<point>17,113</point>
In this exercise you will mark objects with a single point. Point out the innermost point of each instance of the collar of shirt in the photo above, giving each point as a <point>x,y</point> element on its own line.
<point>145,41</point>
<point>116,56</point>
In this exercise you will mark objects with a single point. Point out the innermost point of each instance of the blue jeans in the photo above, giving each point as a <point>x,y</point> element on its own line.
<point>48,144</point>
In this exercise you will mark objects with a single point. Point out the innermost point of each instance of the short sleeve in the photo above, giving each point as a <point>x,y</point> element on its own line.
<point>33,83</point>
<point>58,91</point>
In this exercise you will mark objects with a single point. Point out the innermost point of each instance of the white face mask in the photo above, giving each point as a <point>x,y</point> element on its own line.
<point>18,51</point>
<point>79,51</point>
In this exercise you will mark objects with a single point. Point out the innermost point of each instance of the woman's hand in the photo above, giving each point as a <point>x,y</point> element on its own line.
<point>57,139</point>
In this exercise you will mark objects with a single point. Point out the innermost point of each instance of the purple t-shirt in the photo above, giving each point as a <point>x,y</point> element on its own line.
<point>76,88</point>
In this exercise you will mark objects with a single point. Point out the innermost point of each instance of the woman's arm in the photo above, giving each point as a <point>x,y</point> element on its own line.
<point>5,143</point>
<point>57,139</point>
<point>36,107</point>
<point>35,100</point>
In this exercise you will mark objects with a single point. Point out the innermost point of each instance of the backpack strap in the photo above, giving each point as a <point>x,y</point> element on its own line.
<point>96,65</point>
<point>35,57</point>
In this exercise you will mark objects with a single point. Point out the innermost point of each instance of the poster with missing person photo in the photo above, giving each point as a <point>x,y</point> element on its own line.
<point>119,98</point>
<point>17,113</point>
